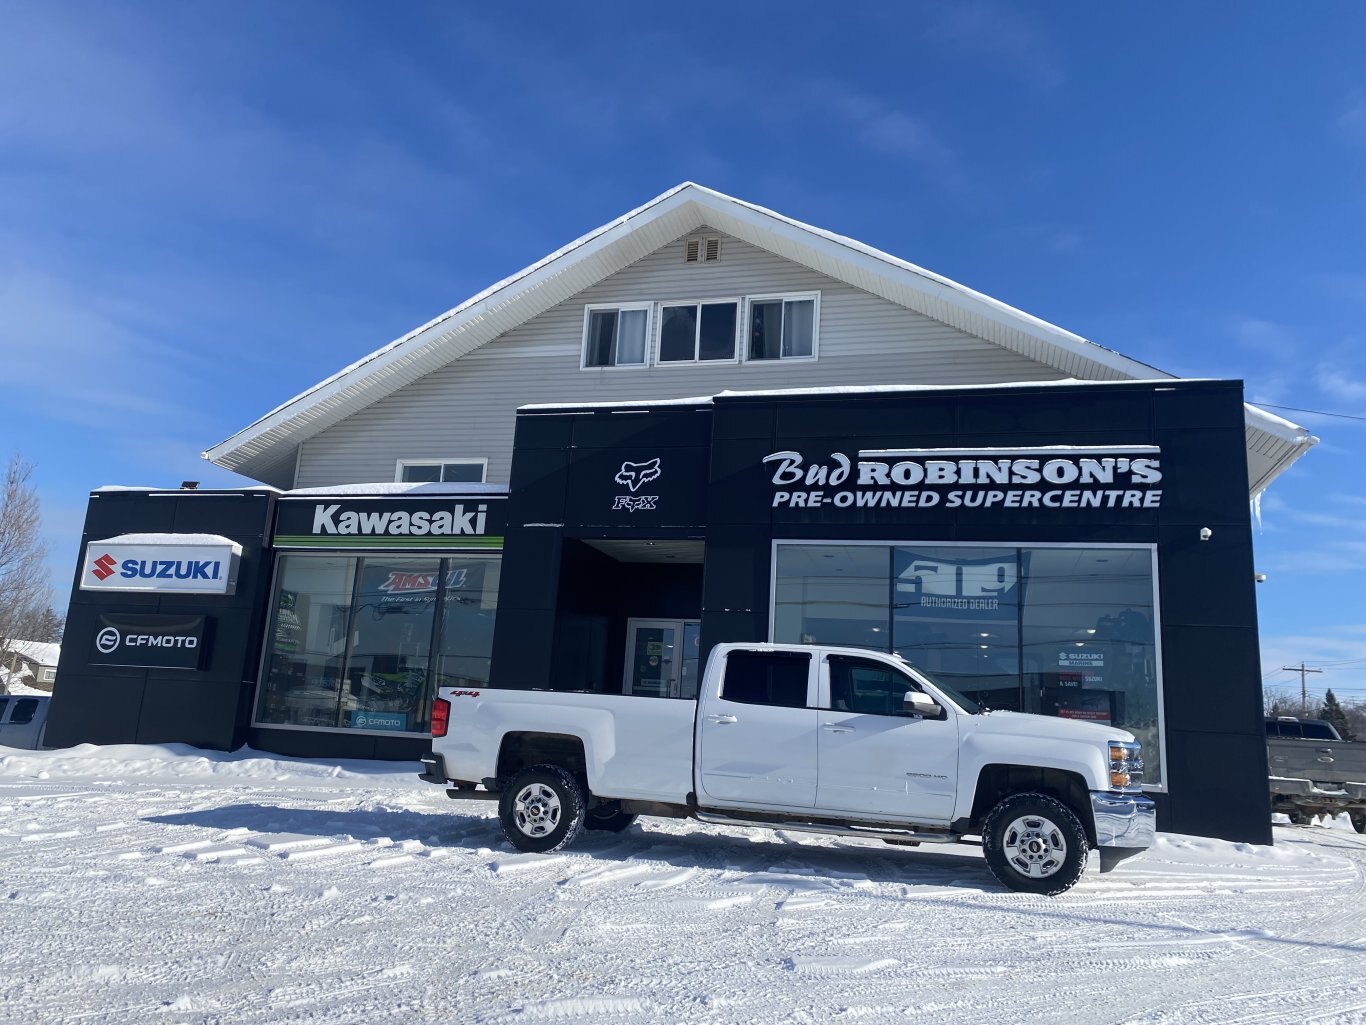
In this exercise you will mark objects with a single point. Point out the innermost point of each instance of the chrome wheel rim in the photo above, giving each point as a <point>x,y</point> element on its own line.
<point>536,809</point>
<point>1034,846</point>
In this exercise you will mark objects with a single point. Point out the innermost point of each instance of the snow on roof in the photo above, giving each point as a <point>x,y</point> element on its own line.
<point>181,491</point>
<point>206,540</point>
<point>42,652</point>
<point>840,389</point>
<point>605,250</point>
<point>416,490</point>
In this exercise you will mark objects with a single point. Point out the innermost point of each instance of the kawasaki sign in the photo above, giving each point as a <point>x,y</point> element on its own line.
<point>390,522</point>
<point>179,563</point>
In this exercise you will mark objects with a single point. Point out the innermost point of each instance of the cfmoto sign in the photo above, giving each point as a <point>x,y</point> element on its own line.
<point>150,641</point>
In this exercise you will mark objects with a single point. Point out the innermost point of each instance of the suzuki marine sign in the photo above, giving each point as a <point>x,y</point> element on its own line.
<point>176,563</point>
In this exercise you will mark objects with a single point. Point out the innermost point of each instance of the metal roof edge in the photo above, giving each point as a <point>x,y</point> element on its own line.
<point>464,312</point>
<point>235,451</point>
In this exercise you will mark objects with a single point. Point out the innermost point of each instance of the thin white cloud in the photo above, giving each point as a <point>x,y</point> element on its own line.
<point>890,130</point>
<point>1000,32</point>
<point>1350,123</point>
<point>1265,337</point>
<point>1340,381</point>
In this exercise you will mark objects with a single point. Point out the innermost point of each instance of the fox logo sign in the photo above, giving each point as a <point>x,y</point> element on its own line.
<point>634,475</point>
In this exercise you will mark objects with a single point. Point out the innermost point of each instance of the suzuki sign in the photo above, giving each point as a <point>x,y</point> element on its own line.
<point>179,563</point>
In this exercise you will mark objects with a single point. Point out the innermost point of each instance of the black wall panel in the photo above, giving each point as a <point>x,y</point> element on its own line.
<point>209,706</point>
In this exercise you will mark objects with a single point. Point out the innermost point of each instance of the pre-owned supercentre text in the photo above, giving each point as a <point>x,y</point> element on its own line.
<point>1053,481</point>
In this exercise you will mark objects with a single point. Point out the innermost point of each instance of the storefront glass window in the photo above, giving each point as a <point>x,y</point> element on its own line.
<point>351,640</point>
<point>1089,646</point>
<point>956,615</point>
<point>832,594</point>
<point>465,642</point>
<point>306,645</point>
<point>1067,632</point>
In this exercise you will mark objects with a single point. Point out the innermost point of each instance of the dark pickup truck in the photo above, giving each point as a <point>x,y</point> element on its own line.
<point>1313,771</point>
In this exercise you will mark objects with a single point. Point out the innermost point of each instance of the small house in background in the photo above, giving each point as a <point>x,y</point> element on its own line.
<point>29,664</point>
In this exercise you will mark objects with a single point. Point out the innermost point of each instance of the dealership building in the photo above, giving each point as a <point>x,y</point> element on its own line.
<point>702,422</point>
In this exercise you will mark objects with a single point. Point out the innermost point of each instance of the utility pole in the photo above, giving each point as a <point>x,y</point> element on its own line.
<point>1304,693</point>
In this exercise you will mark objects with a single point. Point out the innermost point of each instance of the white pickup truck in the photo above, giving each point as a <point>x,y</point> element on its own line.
<point>823,739</point>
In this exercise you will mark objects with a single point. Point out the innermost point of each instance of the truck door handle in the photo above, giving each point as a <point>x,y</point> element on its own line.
<point>835,727</point>
<point>722,720</point>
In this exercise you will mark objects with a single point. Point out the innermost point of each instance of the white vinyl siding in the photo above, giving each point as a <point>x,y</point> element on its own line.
<point>863,340</point>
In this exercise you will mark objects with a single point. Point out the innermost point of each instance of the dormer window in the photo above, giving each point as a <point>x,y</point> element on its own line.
<point>782,327</point>
<point>615,336</point>
<point>753,328</point>
<point>697,332</point>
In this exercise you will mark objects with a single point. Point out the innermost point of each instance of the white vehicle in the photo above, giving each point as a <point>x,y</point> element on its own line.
<point>23,720</point>
<point>824,739</point>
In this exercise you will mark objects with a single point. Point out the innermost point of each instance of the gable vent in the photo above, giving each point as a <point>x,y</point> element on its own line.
<point>702,250</point>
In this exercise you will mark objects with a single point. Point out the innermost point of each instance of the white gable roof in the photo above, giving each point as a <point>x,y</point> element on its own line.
<point>1273,443</point>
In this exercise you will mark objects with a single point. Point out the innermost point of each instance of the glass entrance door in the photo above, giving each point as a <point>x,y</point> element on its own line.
<point>661,658</point>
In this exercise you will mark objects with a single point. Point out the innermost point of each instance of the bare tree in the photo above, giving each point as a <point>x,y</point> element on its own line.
<point>25,600</point>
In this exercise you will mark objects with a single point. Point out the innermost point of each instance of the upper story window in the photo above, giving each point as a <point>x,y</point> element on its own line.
<point>615,336</point>
<point>782,327</point>
<point>752,328</point>
<point>49,675</point>
<point>693,332</point>
<point>447,471</point>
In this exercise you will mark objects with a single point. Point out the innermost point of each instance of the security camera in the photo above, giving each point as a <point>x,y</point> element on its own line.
<point>1206,533</point>
<point>1259,577</point>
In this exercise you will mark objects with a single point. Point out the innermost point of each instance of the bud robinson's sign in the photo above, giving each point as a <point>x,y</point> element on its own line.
<point>1054,477</point>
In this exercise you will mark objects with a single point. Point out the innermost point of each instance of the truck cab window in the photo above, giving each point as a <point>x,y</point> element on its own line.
<point>766,678</point>
<point>24,710</point>
<point>867,687</point>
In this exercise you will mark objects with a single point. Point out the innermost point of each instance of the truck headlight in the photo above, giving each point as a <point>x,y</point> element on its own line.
<point>1126,766</point>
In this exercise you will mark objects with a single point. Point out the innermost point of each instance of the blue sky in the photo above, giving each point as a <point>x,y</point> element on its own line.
<point>205,209</point>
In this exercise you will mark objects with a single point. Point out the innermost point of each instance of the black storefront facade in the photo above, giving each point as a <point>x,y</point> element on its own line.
<point>1078,550</point>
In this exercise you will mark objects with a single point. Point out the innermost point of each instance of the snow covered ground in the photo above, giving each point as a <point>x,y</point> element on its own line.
<point>164,885</point>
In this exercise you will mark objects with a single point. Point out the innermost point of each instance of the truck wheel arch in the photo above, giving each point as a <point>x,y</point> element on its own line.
<point>521,749</point>
<point>997,781</point>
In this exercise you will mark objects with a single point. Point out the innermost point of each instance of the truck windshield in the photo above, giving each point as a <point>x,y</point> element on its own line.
<point>959,699</point>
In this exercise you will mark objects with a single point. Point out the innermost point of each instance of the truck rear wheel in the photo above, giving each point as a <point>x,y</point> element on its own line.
<point>542,809</point>
<point>1034,843</point>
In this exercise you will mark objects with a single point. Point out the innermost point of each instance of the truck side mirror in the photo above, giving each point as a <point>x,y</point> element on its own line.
<point>916,703</point>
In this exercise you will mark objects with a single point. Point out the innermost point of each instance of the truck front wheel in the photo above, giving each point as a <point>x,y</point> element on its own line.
<point>542,809</point>
<point>1034,843</point>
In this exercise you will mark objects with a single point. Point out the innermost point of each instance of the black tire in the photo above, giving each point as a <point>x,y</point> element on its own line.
<point>1034,844</point>
<point>542,809</point>
<point>608,817</point>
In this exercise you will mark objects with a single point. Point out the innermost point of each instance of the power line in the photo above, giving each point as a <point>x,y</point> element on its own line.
<point>1304,690</point>
<point>1316,412</point>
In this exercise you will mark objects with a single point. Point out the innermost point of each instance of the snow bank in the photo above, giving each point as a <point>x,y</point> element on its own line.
<point>127,762</point>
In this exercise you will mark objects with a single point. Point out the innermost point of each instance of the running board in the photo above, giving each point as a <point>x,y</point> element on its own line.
<point>848,829</point>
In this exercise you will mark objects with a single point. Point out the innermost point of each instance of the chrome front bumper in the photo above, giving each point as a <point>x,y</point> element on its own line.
<point>1124,820</point>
